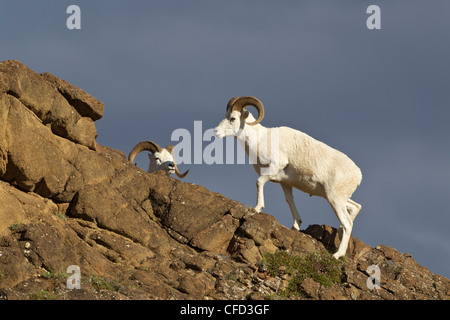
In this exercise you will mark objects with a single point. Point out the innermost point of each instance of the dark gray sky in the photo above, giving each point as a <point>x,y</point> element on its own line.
<point>380,96</point>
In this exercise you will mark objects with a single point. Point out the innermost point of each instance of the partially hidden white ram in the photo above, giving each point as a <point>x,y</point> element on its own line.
<point>160,158</point>
<point>294,160</point>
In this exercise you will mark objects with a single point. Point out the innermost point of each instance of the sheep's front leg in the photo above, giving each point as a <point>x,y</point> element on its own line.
<point>260,192</point>
<point>290,200</point>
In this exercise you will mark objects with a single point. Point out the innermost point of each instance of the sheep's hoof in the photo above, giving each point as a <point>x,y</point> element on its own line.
<point>296,226</point>
<point>258,209</point>
<point>337,256</point>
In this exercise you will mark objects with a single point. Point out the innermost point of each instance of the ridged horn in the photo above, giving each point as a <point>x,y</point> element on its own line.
<point>231,102</point>
<point>141,146</point>
<point>242,102</point>
<point>177,172</point>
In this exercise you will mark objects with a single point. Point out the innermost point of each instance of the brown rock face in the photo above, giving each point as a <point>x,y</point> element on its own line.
<point>84,103</point>
<point>136,235</point>
<point>25,88</point>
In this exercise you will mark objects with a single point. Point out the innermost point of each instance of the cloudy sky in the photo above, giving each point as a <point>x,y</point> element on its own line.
<point>380,96</point>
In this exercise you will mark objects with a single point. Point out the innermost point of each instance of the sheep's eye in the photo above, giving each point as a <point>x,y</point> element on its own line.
<point>232,119</point>
<point>157,159</point>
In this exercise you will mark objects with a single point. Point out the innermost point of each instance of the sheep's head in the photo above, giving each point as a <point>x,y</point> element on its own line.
<point>160,158</point>
<point>237,116</point>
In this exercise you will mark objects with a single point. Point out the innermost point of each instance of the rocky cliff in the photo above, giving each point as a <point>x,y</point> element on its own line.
<point>66,201</point>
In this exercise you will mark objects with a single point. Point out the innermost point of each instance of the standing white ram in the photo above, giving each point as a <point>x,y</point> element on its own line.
<point>294,159</point>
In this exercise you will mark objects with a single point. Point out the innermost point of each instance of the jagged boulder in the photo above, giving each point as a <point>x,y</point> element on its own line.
<point>44,141</point>
<point>26,88</point>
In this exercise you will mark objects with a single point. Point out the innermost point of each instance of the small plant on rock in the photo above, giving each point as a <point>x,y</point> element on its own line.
<point>319,266</point>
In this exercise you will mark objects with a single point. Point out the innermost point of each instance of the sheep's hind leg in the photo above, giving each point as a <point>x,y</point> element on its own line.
<point>290,200</point>
<point>353,208</point>
<point>340,209</point>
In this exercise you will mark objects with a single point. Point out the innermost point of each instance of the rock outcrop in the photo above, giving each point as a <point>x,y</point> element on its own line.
<point>65,201</point>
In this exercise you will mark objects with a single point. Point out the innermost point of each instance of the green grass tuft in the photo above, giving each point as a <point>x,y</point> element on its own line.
<point>44,295</point>
<point>319,266</point>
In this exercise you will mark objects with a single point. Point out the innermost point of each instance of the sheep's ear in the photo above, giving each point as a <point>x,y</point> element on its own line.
<point>244,115</point>
<point>170,148</point>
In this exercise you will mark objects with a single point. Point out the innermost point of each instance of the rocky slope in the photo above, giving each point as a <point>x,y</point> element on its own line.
<point>66,201</point>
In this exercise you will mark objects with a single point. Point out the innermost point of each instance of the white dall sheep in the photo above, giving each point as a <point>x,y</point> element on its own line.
<point>294,159</point>
<point>160,158</point>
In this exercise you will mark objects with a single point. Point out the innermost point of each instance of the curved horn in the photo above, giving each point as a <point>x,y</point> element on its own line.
<point>141,146</point>
<point>177,172</point>
<point>242,102</point>
<point>231,102</point>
